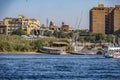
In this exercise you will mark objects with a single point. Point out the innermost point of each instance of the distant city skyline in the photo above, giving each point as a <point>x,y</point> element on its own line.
<point>72,12</point>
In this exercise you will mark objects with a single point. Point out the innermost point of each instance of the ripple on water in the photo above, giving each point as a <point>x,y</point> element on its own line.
<point>45,67</point>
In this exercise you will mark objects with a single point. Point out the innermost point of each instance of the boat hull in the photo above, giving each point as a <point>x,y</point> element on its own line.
<point>107,55</point>
<point>49,52</point>
<point>76,53</point>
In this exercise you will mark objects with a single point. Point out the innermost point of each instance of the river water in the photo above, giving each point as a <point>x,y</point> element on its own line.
<point>58,67</point>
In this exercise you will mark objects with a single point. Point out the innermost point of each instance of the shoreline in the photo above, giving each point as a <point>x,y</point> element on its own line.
<point>29,53</point>
<point>20,53</point>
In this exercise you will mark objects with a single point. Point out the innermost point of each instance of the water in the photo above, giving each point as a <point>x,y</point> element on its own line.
<point>58,67</point>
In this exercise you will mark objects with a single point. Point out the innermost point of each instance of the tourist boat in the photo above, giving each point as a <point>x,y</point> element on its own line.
<point>112,52</point>
<point>57,48</point>
<point>50,50</point>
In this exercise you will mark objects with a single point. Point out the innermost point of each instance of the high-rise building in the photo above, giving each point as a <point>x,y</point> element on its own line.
<point>104,20</point>
<point>116,18</point>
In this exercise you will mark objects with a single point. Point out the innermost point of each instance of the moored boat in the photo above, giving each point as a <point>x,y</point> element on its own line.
<point>51,50</point>
<point>57,48</point>
<point>112,52</point>
<point>76,53</point>
<point>108,55</point>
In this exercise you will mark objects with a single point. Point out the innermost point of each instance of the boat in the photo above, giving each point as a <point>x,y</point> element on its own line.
<point>77,48</point>
<point>112,52</point>
<point>51,50</point>
<point>57,48</point>
<point>76,53</point>
<point>108,55</point>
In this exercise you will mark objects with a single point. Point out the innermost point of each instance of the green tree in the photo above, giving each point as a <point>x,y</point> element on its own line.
<point>81,38</point>
<point>19,32</point>
<point>48,33</point>
<point>70,48</point>
<point>61,34</point>
<point>55,34</point>
<point>109,38</point>
<point>102,36</point>
<point>71,34</point>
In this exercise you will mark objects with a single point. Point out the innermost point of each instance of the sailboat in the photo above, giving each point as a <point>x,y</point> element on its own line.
<point>77,46</point>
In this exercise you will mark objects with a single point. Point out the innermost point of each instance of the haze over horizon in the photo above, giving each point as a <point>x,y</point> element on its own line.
<point>71,12</point>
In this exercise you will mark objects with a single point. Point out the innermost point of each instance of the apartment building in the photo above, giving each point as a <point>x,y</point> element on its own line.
<point>27,24</point>
<point>104,20</point>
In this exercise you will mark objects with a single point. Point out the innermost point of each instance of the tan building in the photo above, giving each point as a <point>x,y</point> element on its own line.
<point>12,24</point>
<point>27,24</point>
<point>65,28</point>
<point>55,28</point>
<point>1,23</point>
<point>104,19</point>
<point>2,28</point>
<point>116,18</point>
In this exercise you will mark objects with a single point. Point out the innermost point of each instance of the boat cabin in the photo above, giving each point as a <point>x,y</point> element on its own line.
<point>56,48</point>
<point>114,50</point>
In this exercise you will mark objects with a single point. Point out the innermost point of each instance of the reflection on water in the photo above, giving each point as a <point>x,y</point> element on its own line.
<point>58,67</point>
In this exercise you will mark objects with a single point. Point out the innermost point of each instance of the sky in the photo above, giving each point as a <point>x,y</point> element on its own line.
<point>71,12</point>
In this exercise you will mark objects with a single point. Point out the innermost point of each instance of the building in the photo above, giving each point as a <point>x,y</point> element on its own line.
<point>65,27</point>
<point>53,27</point>
<point>27,24</point>
<point>116,18</point>
<point>104,20</point>
<point>1,23</point>
<point>12,24</point>
<point>2,28</point>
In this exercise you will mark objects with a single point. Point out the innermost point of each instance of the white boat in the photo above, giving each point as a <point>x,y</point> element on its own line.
<point>112,52</point>
<point>77,48</point>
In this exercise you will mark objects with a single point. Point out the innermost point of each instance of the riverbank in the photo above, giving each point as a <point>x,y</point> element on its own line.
<point>44,53</point>
<point>20,53</point>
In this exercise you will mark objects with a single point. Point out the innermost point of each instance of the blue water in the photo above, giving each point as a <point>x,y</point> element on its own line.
<point>58,67</point>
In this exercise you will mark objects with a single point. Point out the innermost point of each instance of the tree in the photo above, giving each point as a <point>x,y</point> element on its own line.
<point>61,34</point>
<point>71,35</point>
<point>19,32</point>
<point>48,33</point>
<point>81,38</point>
<point>55,34</point>
<point>109,38</point>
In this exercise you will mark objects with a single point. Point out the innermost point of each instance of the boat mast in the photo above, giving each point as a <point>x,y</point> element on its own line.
<point>77,33</point>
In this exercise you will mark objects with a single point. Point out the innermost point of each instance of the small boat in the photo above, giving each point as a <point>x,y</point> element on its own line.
<point>108,55</point>
<point>77,49</point>
<point>112,52</point>
<point>52,50</point>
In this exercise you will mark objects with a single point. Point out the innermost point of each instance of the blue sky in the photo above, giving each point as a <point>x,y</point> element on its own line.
<point>70,11</point>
